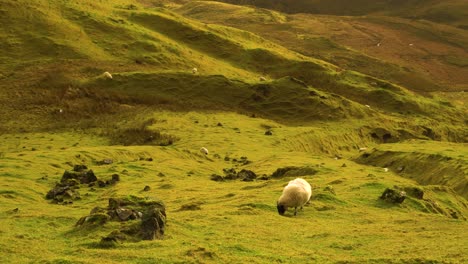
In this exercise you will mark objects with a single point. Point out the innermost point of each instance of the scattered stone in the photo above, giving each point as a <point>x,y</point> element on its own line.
<point>344,165</point>
<point>227,158</point>
<point>393,196</point>
<point>149,159</point>
<point>101,184</point>
<point>63,194</point>
<point>115,178</point>
<point>268,133</point>
<point>146,219</point>
<point>216,177</point>
<point>161,174</point>
<point>105,162</point>
<point>147,188</point>
<point>219,124</point>
<point>16,210</point>
<point>246,175</point>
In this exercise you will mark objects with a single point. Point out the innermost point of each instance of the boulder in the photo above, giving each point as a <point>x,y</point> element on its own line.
<point>153,224</point>
<point>393,196</point>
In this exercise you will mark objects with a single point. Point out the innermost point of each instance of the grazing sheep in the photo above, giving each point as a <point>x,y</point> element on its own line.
<point>107,75</point>
<point>385,169</point>
<point>262,79</point>
<point>362,149</point>
<point>204,150</point>
<point>378,44</point>
<point>295,194</point>
<point>194,70</point>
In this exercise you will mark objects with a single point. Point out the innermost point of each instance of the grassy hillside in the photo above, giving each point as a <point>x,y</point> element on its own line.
<point>232,221</point>
<point>452,12</point>
<point>419,55</point>
<point>269,96</point>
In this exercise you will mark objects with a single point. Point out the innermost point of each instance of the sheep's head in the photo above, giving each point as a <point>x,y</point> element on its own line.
<point>281,208</point>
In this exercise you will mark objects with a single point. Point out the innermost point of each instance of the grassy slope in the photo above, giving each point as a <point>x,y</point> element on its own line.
<point>452,12</point>
<point>238,220</point>
<point>435,61</point>
<point>52,55</point>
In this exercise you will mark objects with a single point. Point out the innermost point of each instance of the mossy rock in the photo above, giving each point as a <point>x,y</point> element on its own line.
<point>293,171</point>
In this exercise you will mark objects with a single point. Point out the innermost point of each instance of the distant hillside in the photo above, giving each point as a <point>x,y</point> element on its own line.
<point>453,12</point>
<point>420,55</point>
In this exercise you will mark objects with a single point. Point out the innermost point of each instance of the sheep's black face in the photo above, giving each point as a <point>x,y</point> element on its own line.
<point>281,209</point>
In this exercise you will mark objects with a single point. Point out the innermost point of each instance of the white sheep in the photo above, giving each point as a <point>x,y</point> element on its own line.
<point>262,79</point>
<point>107,75</point>
<point>295,194</point>
<point>194,70</point>
<point>204,150</point>
<point>362,149</point>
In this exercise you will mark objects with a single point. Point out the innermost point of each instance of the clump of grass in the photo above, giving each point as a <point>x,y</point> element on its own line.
<point>140,135</point>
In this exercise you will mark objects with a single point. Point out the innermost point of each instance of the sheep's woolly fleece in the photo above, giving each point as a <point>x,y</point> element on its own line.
<point>295,194</point>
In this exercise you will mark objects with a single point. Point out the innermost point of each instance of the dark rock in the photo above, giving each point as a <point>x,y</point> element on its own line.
<point>216,177</point>
<point>393,196</point>
<point>124,214</point>
<point>105,162</point>
<point>82,176</point>
<point>219,124</point>
<point>115,178</point>
<point>101,183</point>
<point>79,168</point>
<point>268,133</point>
<point>149,159</point>
<point>344,165</point>
<point>226,158</point>
<point>230,174</point>
<point>153,224</point>
<point>161,174</point>
<point>246,175</point>
<point>147,188</point>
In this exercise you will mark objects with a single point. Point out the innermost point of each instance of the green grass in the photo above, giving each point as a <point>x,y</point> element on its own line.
<point>235,223</point>
<point>58,111</point>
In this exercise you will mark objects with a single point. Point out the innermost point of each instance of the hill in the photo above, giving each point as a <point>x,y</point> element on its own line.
<point>270,95</point>
<point>450,12</point>
<point>420,55</point>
